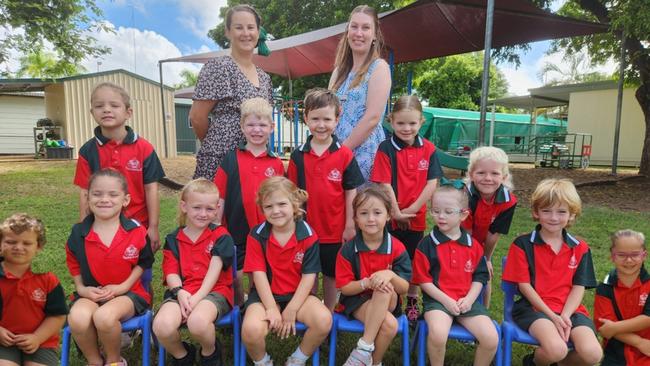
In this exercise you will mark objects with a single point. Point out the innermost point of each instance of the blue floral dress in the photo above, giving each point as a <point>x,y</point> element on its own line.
<point>354,107</point>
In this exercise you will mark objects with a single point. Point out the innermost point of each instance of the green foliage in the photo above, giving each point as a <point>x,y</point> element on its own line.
<point>455,81</point>
<point>65,24</point>
<point>41,64</point>
<point>189,79</point>
<point>569,71</point>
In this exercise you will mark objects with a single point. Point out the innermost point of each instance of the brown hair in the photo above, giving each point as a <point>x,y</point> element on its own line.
<point>296,196</point>
<point>19,223</point>
<point>242,7</point>
<point>372,190</point>
<point>199,185</point>
<point>343,62</point>
<point>407,102</point>
<point>627,233</point>
<point>552,191</point>
<point>317,98</point>
<point>109,172</point>
<point>126,99</point>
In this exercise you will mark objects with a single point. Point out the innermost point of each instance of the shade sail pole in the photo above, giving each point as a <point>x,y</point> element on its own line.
<point>489,17</point>
<point>162,103</point>
<point>619,105</point>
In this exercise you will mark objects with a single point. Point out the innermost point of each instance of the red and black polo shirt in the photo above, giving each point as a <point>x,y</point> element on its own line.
<point>616,302</point>
<point>238,178</point>
<point>101,265</point>
<point>531,260</point>
<point>356,261</point>
<point>451,265</point>
<point>26,301</point>
<point>134,157</point>
<point>494,216</point>
<point>325,178</point>
<point>407,168</point>
<point>190,260</point>
<point>283,265</point>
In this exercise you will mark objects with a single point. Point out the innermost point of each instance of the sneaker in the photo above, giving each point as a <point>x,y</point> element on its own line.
<point>293,361</point>
<point>359,357</point>
<point>412,309</point>
<point>121,363</point>
<point>215,358</point>
<point>188,360</point>
<point>267,363</point>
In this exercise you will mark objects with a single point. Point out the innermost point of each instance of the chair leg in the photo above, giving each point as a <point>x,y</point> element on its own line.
<point>507,347</point>
<point>498,358</point>
<point>236,334</point>
<point>421,338</point>
<point>65,346</point>
<point>332,352</point>
<point>406,355</point>
<point>315,358</point>
<point>161,355</point>
<point>146,339</point>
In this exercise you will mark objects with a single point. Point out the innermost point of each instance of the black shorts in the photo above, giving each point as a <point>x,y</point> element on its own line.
<point>524,316</point>
<point>350,304</point>
<point>477,309</point>
<point>140,305</point>
<point>254,297</point>
<point>328,253</point>
<point>410,238</point>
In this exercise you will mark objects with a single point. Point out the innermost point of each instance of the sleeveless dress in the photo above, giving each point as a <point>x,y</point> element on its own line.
<point>353,101</point>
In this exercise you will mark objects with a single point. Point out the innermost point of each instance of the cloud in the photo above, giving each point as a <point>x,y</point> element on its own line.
<point>199,16</point>
<point>520,80</point>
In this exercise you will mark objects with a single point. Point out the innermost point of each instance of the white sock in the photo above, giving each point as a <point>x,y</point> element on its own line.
<point>297,354</point>
<point>368,347</point>
<point>264,359</point>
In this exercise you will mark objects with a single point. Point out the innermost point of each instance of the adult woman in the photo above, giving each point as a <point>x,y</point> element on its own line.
<point>362,81</point>
<point>223,84</point>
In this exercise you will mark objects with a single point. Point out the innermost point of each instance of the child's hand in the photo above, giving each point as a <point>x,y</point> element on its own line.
<point>464,305</point>
<point>275,319</point>
<point>94,294</point>
<point>452,306</point>
<point>288,322</point>
<point>7,338</point>
<point>27,343</point>
<point>563,328</point>
<point>349,233</point>
<point>380,280</point>
<point>194,300</point>
<point>183,298</point>
<point>402,219</point>
<point>154,238</point>
<point>644,347</point>
<point>608,329</point>
<point>114,291</point>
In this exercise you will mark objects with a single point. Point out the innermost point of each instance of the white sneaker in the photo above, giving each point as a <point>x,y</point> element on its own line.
<point>359,357</point>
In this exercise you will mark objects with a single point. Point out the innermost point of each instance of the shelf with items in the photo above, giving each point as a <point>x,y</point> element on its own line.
<point>41,135</point>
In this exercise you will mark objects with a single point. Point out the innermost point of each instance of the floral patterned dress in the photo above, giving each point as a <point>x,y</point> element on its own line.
<point>221,80</point>
<point>354,107</point>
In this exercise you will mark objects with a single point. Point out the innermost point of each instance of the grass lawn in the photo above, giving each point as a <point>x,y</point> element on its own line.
<point>45,189</point>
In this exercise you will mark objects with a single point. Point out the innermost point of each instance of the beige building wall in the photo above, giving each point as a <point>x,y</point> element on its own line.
<point>145,101</point>
<point>594,112</point>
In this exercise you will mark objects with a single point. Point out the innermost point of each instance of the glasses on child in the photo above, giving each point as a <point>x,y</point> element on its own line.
<point>635,256</point>
<point>437,212</point>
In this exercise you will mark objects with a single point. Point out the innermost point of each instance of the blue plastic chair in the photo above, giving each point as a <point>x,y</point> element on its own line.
<point>342,323</point>
<point>300,327</point>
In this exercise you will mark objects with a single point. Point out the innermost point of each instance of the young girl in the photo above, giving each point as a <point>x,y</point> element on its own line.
<point>196,268</point>
<point>407,165</point>
<point>450,268</point>
<point>552,269</point>
<point>491,202</point>
<point>621,309</point>
<point>372,271</point>
<point>106,255</point>
<point>282,255</point>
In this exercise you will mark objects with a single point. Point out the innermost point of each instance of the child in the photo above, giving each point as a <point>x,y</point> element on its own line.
<point>106,255</point>
<point>196,267</point>
<point>328,171</point>
<point>621,309</point>
<point>32,304</point>
<point>408,165</point>
<point>450,268</point>
<point>552,269</point>
<point>282,256</point>
<point>491,202</point>
<point>239,176</point>
<point>116,146</point>
<point>372,271</point>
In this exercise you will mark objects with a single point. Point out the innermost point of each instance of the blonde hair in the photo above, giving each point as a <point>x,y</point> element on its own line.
<point>406,102</point>
<point>259,107</point>
<point>552,191</point>
<point>19,223</point>
<point>296,196</point>
<point>372,190</point>
<point>627,233</point>
<point>463,198</point>
<point>490,153</point>
<point>126,99</point>
<point>199,185</point>
<point>343,61</point>
<point>318,98</point>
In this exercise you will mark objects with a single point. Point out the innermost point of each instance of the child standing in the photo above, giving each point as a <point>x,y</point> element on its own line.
<point>491,202</point>
<point>32,304</point>
<point>282,256</point>
<point>329,172</point>
<point>373,271</point>
<point>621,309</point>
<point>196,268</point>
<point>116,146</point>
<point>106,255</point>
<point>450,268</point>
<point>552,269</point>
<point>239,177</point>
<point>408,166</point>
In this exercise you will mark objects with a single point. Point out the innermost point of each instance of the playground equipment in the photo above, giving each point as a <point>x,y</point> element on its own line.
<point>563,151</point>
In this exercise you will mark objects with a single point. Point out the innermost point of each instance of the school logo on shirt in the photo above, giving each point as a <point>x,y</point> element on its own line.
<point>131,252</point>
<point>39,295</point>
<point>208,249</point>
<point>269,172</point>
<point>642,299</point>
<point>423,164</point>
<point>573,262</point>
<point>469,268</point>
<point>298,257</point>
<point>134,165</point>
<point>334,175</point>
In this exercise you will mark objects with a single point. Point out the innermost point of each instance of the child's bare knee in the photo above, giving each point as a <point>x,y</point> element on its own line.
<point>163,327</point>
<point>389,325</point>
<point>591,354</point>
<point>556,350</point>
<point>252,332</point>
<point>78,320</point>
<point>198,323</point>
<point>105,319</point>
<point>437,339</point>
<point>322,322</point>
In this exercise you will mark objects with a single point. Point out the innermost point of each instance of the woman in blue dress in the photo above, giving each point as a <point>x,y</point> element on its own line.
<point>361,79</point>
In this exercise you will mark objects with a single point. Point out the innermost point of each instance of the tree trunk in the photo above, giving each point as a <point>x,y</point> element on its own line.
<point>643,97</point>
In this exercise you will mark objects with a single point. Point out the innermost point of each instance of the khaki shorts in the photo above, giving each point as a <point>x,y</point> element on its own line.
<point>45,356</point>
<point>219,301</point>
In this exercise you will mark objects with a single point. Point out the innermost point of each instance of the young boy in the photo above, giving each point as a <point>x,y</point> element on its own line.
<point>240,175</point>
<point>552,269</point>
<point>328,171</point>
<point>116,146</point>
<point>32,305</point>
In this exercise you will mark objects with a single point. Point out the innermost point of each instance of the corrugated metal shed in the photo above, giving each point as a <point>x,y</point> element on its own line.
<point>18,116</point>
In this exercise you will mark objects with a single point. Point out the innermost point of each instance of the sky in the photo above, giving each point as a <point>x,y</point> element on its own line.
<point>147,31</point>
